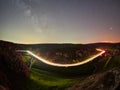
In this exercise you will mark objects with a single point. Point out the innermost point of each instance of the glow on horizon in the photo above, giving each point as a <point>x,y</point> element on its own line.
<point>45,42</point>
<point>62,21</point>
<point>64,65</point>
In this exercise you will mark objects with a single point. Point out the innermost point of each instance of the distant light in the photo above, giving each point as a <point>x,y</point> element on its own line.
<point>103,51</point>
<point>109,41</point>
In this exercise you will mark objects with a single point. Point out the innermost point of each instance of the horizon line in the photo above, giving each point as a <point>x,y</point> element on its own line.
<point>60,42</point>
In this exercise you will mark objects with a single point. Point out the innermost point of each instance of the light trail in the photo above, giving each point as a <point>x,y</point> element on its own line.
<point>63,65</point>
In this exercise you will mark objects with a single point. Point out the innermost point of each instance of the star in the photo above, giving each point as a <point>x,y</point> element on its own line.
<point>111,28</point>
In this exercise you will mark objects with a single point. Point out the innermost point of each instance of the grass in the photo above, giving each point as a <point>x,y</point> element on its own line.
<point>107,62</point>
<point>42,80</point>
<point>113,62</point>
<point>48,79</point>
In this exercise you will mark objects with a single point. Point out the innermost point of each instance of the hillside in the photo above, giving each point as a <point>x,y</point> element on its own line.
<point>15,73</point>
<point>13,70</point>
<point>109,80</point>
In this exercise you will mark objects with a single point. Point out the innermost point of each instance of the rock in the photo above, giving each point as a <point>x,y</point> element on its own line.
<point>109,80</point>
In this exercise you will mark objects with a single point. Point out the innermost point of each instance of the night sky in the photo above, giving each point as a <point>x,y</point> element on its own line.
<point>60,21</point>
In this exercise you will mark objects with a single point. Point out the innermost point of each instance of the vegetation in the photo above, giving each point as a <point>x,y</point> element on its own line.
<point>15,74</point>
<point>12,68</point>
<point>42,80</point>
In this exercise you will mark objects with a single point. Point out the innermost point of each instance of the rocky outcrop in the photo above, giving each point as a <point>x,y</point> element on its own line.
<point>13,70</point>
<point>109,80</point>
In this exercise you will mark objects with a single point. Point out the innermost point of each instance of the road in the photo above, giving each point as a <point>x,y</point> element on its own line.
<point>63,65</point>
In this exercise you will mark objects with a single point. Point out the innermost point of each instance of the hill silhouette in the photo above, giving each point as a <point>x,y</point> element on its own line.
<point>14,71</point>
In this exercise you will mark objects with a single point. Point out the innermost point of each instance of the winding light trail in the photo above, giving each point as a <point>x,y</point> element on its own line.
<point>63,65</point>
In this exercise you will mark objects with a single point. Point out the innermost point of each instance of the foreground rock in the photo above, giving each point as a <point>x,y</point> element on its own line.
<point>13,70</point>
<point>109,80</point>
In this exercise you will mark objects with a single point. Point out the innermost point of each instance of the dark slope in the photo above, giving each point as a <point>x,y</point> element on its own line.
<point>109,80</point>
<point>13,70</point>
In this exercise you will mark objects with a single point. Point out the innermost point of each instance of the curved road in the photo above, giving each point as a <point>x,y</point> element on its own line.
<point>64,65</point>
